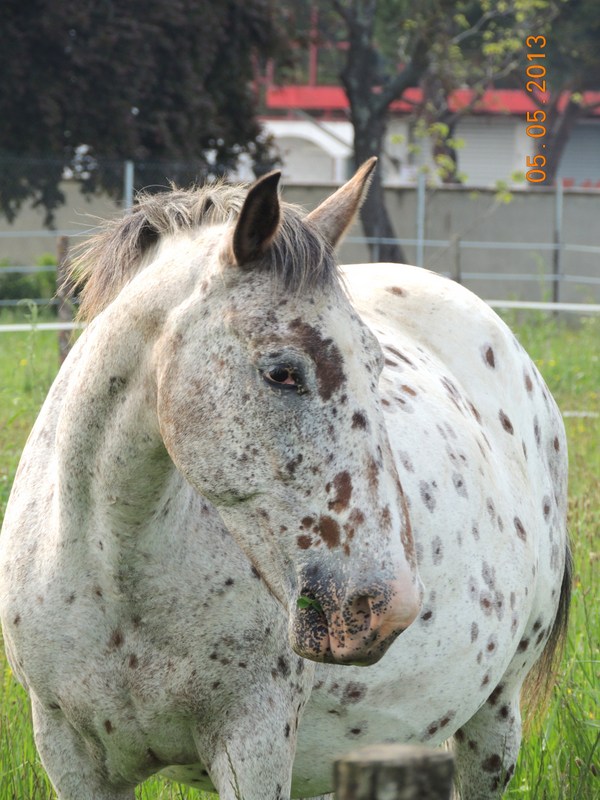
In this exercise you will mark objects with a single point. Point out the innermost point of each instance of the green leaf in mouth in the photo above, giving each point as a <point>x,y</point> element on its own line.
<point>308,602</point>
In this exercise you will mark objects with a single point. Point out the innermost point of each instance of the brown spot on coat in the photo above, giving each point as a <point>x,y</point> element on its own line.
<point>372,473</point>
<point>353,693</point>
<point>427,495</point>
<point>492,763</point>
<point>490,359</point>
<point>521,532</point>
<point>359,421</point>
<point>326,356</point>
<point>396,290</point>
<point>474,411</point>
<point>394,351</point>
<point>506,423</point>
<point>342,483</point>
<point>292,465</point>
<point>304,542</point>
<point>546,508</point>
<point>116,639</point>
<point>329,530</point>
<point>385,519</point>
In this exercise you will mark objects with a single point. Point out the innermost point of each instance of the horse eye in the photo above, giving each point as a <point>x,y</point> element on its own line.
<point>281,376</point>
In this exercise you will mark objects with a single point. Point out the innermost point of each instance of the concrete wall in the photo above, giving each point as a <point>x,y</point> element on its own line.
<point>27,238</point>
<point>450,212</point>
<point>475,216</point>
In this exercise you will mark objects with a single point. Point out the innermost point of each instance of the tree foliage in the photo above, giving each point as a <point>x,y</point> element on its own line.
<point>87,83</point>
<point>439,45</point>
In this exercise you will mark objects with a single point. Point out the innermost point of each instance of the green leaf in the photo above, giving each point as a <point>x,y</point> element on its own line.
<point>308,602</point>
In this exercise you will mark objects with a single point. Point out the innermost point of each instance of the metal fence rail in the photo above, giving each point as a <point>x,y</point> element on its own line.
<point>576,308</point>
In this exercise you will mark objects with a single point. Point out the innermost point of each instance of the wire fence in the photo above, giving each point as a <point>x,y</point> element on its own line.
<point>560,263</point>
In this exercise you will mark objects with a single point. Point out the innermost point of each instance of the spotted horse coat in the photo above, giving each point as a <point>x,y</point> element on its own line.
<point>263,518</point>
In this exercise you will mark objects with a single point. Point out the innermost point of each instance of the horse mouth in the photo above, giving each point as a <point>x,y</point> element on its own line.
<point>315,638</point>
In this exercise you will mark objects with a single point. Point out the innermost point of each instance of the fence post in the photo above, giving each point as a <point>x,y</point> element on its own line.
<point>394,772</point>
<point>557,254</point>
<point>128,179</point>
<point>421,198</point>
<point>63,290</point>
<point>455,244</point>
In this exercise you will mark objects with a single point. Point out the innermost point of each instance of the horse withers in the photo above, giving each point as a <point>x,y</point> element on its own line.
<point>271,509</point>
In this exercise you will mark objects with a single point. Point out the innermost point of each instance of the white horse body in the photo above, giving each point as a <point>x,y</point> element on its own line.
<point>488,591</point>
<point>148,640</point>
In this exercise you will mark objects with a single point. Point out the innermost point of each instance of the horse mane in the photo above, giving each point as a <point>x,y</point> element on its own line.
<point>123,246</point>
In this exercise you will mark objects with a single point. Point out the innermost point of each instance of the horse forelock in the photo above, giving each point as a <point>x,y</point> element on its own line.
<point>299,256</point>
<point>122,247</point>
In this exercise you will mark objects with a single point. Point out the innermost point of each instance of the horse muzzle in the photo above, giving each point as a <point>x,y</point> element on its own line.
<point>358,630</point>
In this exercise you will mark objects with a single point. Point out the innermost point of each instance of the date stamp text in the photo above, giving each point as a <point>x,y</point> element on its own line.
<point>536,72</point>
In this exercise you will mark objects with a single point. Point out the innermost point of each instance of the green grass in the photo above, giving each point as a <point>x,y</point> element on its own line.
<point>560,759</point>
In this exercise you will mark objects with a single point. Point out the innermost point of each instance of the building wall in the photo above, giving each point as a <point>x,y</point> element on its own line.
<point>494,149</point>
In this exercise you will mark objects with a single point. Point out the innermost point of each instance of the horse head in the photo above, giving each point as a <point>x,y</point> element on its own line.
<point>269,406</point>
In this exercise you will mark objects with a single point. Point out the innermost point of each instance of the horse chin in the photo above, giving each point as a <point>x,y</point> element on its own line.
<point>325,655</point>
<point>310,639</point>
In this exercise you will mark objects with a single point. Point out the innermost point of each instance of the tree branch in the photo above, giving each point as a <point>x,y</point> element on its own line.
<point>409,76</point>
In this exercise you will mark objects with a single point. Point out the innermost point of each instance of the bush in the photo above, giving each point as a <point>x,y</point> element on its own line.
<point>33,285</point>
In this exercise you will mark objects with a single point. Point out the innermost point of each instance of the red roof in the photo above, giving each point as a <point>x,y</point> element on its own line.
<point>333,98</point>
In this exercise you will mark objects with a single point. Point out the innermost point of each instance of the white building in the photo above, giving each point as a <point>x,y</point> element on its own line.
<point>311,130</point>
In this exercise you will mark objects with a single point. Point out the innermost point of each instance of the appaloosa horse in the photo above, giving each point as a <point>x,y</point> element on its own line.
<point>238,469</point>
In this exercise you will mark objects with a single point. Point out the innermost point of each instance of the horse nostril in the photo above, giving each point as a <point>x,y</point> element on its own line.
<point>359,611</point>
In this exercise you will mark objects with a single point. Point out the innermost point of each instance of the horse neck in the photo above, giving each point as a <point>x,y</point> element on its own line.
<point>114,472</point>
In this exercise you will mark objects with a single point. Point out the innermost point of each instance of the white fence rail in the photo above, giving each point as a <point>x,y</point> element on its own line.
<point>576,308</point>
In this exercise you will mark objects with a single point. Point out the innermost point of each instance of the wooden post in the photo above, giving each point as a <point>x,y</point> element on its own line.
<point>455,243</point>
<point>394,772</point>
<point>63,289</point>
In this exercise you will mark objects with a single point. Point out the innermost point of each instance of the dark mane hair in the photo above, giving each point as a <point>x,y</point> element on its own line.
<point>298,256</point>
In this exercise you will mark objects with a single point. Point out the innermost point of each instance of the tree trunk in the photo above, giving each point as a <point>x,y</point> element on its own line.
<point>361,76</point>
<point>368,141</point>
<point>559,127</point>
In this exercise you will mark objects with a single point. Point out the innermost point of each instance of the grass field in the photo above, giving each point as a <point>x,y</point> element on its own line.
<point>560,759</point>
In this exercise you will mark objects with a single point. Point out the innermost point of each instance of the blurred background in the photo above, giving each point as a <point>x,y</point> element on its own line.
<point>485,117</point>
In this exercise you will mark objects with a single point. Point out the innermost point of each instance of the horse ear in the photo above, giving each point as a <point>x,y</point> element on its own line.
<point>258,221</point>
<point>335,215</point>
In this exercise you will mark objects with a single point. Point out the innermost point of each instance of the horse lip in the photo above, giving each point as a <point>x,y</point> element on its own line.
<point>326,656</point>
<point>313,641</point>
